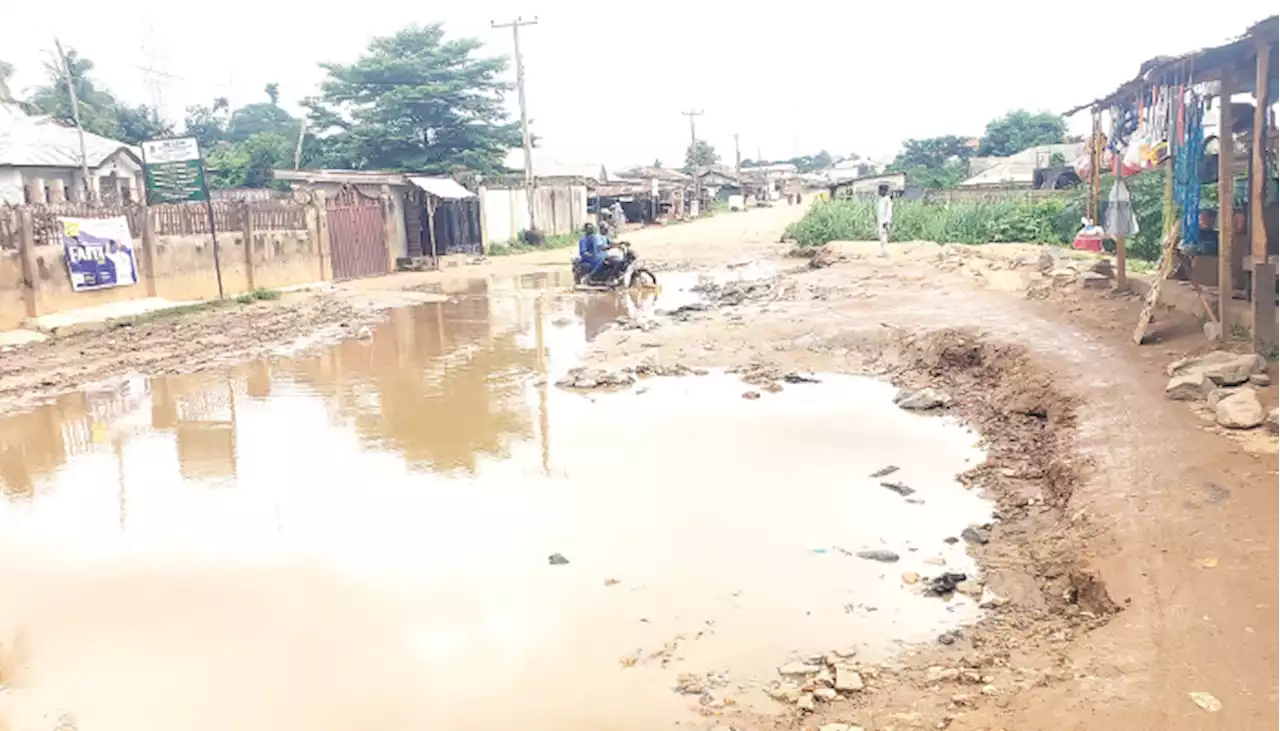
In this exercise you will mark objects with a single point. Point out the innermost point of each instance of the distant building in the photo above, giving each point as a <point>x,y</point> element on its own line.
<point>40,162</point>
<point>1019,170</point>
<point>548,167</point>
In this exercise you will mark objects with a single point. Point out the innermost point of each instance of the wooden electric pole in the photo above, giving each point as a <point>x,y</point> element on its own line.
<point>75,116</point>
<point>515,26</point>
<point>737,154</point>
<point>693,155</point>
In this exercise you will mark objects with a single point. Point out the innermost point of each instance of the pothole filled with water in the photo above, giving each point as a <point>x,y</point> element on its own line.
<point>422,530</point>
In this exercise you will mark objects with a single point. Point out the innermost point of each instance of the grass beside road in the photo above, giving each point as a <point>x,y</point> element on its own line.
<point>516,246</point>
<point>248,298</point>
<point>1013,221</point>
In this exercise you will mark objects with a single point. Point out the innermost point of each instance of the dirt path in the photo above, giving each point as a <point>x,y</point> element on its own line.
<point>1136,543</point>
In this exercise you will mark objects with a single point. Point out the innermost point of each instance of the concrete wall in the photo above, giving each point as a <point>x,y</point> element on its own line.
<point>558,209</point>
<point>175,267</point>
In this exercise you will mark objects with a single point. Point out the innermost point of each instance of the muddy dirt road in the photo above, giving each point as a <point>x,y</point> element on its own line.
<point>375,507</point>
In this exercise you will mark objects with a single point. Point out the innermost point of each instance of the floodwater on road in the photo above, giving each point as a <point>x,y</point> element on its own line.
<point>359,538</point>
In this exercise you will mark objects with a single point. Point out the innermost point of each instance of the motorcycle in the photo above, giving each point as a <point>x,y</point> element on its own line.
<point>621,269</point>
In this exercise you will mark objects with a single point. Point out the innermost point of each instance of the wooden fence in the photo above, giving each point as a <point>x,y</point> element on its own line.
<point>168,220</point>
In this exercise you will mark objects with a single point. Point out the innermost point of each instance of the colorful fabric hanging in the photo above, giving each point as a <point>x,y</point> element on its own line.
<point>1186,169</point>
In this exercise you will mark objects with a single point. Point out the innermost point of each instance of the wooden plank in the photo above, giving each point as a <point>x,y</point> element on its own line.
<point>1265,327</point>
<point>1226,196</point>
<point>1257,179</point>
<point>1167,259</point>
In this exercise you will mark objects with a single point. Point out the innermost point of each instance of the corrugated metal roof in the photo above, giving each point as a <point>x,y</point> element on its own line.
<point>1021,167</point>
<point>447,188</point>
<point>28,141</point>
<point>546,166</point>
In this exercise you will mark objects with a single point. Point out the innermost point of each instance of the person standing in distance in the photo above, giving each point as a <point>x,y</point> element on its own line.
<point>884,218</point>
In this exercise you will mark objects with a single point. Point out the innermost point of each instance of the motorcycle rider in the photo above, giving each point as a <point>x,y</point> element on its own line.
<point>591,249</point>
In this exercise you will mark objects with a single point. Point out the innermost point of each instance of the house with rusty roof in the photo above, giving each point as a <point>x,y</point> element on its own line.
<point>40,162</point>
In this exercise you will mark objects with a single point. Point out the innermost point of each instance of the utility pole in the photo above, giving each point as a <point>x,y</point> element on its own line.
<point>693,155</point>
<point>75,115</point>
<point>737,154</point>
<point>524,112</point>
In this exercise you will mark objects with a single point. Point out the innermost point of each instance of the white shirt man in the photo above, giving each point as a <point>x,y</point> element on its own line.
<point>884,219</point>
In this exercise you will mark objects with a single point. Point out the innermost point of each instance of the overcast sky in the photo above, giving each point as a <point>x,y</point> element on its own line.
<point>607,83</point>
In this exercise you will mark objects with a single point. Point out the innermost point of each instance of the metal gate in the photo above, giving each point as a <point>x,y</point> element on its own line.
<point>356,235</point>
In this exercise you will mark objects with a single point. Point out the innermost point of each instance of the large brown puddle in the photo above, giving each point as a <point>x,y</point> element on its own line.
<point>359,539</point>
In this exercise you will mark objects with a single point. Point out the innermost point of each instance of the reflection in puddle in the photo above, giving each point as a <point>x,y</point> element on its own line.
<point>359,538</point>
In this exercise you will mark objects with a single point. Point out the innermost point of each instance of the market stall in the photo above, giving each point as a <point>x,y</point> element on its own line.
<point>1206,120</point>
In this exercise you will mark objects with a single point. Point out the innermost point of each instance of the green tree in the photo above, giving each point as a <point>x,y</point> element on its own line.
<point>262,117</point>
<point>415,101</point>
<point>701,154</point>
<point>208,124</point>
<point>100,112</point>
<point>249,163</point>
<point>934,162</point>
<point>657,163</point>
<point>1018,130</point>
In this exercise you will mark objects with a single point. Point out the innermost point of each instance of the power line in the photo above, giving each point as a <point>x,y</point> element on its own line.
<point>693,154</point>
<point>515,26</point>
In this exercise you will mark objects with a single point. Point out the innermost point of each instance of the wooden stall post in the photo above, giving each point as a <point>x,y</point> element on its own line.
<point>1264,272</point>
<point>431,229</point>
<point>1257,181</point>
<point>1226,203</point>
<point>1122,278</point>
<point>1264,308</point>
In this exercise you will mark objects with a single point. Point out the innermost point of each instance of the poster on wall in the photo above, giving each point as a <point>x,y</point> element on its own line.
<point>99,252</point>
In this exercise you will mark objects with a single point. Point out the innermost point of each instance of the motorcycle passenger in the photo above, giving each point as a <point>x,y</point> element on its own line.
<point>591,249</point>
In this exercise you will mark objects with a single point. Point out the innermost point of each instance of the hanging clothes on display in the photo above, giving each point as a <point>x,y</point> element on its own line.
<point>1186,172</point>
<point>1120,221</point>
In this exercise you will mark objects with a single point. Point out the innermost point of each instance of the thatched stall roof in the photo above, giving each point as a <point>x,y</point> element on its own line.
<point>1204,65</point>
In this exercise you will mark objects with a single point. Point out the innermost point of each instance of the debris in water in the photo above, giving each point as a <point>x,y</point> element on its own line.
<point>557,559</point>
<point>799,378</point>
<point>884,472</point>
<point>898,487</point>
<point>584,379</point>
<point>1206,563</point>
<point>944,584</point>
<point>751,395</point>
<point>975,534</point>
<point>608,582</point>
<point>1206,701</point>
<point>879,555</point>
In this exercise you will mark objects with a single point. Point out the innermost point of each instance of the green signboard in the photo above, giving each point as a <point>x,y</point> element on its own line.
<point>174,171</point>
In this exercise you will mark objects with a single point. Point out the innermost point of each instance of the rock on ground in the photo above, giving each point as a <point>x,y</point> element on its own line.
<point>848,680</point>
<point>922,400</point>
<point>1240,410</point>
<point>1221,367</point>
<point>1273,421</point>
<point>1188,387</point>
<point>879,555</point>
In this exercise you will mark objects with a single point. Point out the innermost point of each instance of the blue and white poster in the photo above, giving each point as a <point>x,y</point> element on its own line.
<point>99,252</point>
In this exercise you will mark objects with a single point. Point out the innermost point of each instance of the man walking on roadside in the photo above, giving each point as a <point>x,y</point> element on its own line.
<point>884,218</point>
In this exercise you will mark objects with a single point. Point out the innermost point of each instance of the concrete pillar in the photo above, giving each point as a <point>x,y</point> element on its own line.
<point>57,190</point>
<point>389,209</point>
<point>149,252</point>
<point>484,224</point>
<point>322,234</point>
<point>30,271</point>
<point>35,191</point>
